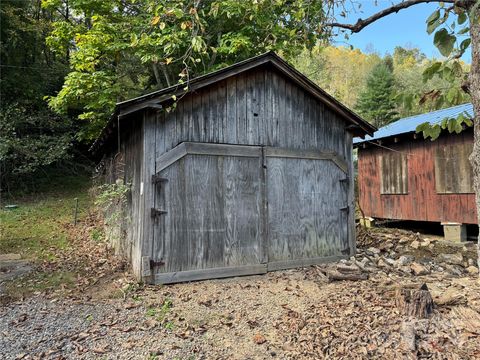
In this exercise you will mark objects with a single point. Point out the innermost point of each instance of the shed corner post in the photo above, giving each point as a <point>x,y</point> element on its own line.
<point>351,197</point>
<point>147,193</point>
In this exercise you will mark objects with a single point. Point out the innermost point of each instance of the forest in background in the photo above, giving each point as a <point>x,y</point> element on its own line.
<point>64,65</point>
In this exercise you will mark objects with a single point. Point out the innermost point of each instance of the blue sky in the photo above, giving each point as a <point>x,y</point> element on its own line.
<point>406,28</point>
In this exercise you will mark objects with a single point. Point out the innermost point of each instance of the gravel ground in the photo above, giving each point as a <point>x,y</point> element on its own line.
<point>281,315</point>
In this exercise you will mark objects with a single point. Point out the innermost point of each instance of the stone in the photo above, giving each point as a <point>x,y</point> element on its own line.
<point>425,243</point>
<point>382,264</point>
<point>415,244</point>
<point>454,269</point>
<point>453,259</point>
<point>389,261</point>
<point>373,250</point>
<point>473,270</point>
<point>405,260</point>
<point>471,262</point>
<point>419,269</point>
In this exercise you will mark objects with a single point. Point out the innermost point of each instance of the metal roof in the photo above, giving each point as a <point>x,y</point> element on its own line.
<point>409,124</point>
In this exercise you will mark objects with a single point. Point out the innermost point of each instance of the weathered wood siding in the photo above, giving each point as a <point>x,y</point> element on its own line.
<point>213,218</point>
<point>229,214</point>
<point>126,164</point>
<point>259,107</point>
<point>422,202</point>
<point>305,216</point>
<point>228,211</point>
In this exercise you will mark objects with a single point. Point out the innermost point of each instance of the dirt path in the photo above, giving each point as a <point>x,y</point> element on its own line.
<point>284,315</point>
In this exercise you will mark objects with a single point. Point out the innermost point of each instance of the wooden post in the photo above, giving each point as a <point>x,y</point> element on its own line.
<point>75,213</point>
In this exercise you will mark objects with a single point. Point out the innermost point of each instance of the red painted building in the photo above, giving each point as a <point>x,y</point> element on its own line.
<point>402,176</point>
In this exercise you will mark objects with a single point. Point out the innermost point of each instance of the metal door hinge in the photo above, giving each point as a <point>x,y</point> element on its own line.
<point>156,212</point>
<point>154,263</point>
<point>347,179</point>
<point>346,208</point>
<point>157,179</point>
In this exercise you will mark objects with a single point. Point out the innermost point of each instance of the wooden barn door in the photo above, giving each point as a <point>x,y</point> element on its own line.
<point>307,207</point>
<point>209,213</point>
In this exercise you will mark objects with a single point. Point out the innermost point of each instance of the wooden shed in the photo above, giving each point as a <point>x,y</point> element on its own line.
<point>403,176</point>
<point>251,171</point>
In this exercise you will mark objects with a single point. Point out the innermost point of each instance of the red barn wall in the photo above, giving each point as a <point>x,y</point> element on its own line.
<point>421,203</point>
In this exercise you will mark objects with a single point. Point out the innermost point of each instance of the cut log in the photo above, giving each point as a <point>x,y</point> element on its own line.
<point>337,276</point>
<point>347,268</point>
<point>416,303</point>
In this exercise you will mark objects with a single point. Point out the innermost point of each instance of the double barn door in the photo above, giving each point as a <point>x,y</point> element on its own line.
<point>229,210</point>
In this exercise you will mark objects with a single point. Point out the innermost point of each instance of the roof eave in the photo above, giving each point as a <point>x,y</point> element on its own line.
<point>156,98</point>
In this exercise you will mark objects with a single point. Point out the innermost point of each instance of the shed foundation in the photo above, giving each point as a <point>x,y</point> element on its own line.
<point>454,231</point>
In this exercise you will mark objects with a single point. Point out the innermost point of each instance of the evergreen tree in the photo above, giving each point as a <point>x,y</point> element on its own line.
<point>376,102</point>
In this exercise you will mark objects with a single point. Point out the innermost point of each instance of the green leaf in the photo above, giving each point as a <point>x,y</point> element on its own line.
<point>465,44</point>
<point>462,17</point>
<point>444,42</point>
<point>434,16</point>
<point>430,71</point>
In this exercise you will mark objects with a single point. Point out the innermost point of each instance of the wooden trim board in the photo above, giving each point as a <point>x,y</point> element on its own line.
<point>196,148</point>
<point>205,274</point>
<point>307,154</point>
<point>217,273</point>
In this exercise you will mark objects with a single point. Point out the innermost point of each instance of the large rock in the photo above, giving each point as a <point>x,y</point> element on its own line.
<point>415,244</point>
<point>419,269</point>
<point>473,270</point>
<point>404,260</point>
<point>373,251</point>
<point>453,259</point>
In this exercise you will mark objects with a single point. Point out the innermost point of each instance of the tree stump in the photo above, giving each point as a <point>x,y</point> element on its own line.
<point>416,303</point>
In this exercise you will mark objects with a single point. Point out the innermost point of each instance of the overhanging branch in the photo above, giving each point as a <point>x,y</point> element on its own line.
<point>362,23</point>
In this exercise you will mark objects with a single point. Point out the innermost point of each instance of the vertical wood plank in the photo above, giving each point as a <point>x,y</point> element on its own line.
<point>231,120</point>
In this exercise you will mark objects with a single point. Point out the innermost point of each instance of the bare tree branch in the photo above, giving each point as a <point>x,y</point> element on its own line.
<point>360,24</point>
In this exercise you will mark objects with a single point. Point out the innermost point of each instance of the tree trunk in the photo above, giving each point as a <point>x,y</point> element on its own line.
<point>474,87</point>
<point>416,303</point>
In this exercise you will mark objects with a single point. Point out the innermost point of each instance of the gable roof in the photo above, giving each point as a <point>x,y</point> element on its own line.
<point>409,124</point>
<point>155,99</point>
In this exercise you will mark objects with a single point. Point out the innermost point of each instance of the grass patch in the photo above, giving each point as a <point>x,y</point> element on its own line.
<point>25,286</point>
<point>35,229</point>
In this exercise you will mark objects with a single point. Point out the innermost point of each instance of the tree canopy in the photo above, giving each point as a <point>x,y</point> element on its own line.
<point>119,49</point>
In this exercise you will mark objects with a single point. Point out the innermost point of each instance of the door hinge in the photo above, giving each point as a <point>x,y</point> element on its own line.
<point>158,179</point>
<point>156,212</point>
<point>346,208</point>
<point>154,263</point>
<point>347,179</point>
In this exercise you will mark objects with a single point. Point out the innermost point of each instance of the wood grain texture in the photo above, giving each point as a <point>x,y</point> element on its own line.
<point>258,172</point>
<point>423,202</point>
<point>453,172</point>
<point>305,198</point>
<point>214,273</point>
<point>393,173</point>
<point>213,207</point>
<point>259,107</point>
